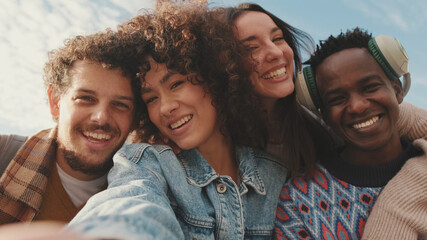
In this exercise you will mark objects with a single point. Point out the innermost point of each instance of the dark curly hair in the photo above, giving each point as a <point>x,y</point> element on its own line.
<point>356,38</point>
<point>300,131</point>
<point>110,49</point>
<point>190,39</point>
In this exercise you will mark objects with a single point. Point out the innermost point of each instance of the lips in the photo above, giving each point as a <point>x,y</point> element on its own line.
<point>180,122</point>
<point>366,123</point>
<point>275,74</point>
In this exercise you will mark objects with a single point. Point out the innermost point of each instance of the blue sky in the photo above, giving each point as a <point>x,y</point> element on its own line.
<point>30,28</point>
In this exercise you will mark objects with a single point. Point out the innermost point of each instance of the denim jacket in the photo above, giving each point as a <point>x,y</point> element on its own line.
<point>154,194</point>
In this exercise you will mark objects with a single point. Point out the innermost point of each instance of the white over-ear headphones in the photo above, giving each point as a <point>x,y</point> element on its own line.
<point>386,50</point>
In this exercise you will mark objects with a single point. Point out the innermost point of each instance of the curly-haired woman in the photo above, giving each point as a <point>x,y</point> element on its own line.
<point>196,94</point>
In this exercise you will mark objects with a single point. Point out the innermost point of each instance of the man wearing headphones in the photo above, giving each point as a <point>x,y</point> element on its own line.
<point>353,81</point>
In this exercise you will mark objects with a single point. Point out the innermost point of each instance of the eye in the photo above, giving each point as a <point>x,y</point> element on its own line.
<point>176,84</point>
<point>279,39</point>
<point>84,99</point>
<point>149,100</point>
<point>370,88</point>
<point>251,48</point>
<point>122,106</point>
<point>335,100</point>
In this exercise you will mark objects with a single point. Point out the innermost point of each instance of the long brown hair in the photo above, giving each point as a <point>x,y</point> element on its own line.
<point>304,137</point>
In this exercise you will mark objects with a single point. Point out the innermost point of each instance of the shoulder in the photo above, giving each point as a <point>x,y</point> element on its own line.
<point>143,152</point>
<point>141,161</point>
<point>265,164</point>
<point>421,144</point>
<point>260,156</point>
<point>417,166</point>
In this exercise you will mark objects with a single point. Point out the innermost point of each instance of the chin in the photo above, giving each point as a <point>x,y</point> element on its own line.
<point>186,145</point>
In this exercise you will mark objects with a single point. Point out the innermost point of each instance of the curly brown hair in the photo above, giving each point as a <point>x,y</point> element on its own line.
<point>109,48</point>
<point>192,40</point>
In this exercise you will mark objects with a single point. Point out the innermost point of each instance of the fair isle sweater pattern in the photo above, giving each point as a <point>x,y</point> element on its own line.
<point>323,208</point>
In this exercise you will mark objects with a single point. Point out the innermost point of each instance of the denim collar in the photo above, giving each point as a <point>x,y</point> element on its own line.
<point>200,173</point>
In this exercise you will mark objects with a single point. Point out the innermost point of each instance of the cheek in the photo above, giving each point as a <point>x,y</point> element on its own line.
<point>331,116</point>
<point>288,52</point>
<point>72,115</point>
<point>153,114</point>
<point>253,62</point>
<point>125,122</point>
<point>206,109</point>
<point>254,79</point>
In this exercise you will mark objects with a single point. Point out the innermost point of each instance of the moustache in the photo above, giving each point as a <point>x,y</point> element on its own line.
<point>106,128</point>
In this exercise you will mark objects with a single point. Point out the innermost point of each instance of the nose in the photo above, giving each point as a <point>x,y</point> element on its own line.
<point>273,52</point>
<point>357,104</point>
<point>100,114</point>
<point>168,105</point>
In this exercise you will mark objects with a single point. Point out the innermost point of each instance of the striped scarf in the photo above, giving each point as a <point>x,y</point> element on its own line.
<point>24,181</point>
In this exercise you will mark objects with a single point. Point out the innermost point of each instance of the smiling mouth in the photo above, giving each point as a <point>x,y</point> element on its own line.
<point>180,122</point>
<point>96,136</point>
<point>366,123</point>
<point>275,74</point>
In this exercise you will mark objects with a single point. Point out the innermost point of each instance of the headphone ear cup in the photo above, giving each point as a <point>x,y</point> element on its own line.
<point>306,89</point>
<point>392,58</point>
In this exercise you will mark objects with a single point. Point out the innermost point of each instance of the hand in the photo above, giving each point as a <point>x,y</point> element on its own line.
<point>38,231</point>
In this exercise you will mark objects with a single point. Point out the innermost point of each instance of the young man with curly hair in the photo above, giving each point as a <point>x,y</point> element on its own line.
<point>359,100</point>
<point>94,98</point>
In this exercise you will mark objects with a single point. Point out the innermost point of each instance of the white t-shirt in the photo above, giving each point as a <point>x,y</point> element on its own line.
<point>80,191</point>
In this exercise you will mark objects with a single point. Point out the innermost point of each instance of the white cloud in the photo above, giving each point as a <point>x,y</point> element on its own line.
<point>29,30</point>
<point>407,16</point>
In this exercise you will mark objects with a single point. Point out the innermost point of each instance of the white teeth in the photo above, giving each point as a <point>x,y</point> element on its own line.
<point>97,136</point>
<point>278,73</point>
<point>367,123</point>
<point>181,122</point>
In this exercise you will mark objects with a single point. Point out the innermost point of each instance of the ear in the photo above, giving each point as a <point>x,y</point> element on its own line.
<point>53,98</point>
<point>397,86</point>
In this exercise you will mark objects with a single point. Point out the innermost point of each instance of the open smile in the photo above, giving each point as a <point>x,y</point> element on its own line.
<point>96,137</point>
<point>367,123</point>
<point>180,122</point>
<point>275,74</point>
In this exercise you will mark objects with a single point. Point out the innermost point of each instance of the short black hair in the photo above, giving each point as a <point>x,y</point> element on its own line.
<point>356,38</point>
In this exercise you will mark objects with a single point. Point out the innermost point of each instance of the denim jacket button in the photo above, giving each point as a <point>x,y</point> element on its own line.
<point>221,188</point>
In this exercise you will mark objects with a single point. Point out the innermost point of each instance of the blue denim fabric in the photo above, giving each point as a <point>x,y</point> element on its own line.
<point>153,194</point>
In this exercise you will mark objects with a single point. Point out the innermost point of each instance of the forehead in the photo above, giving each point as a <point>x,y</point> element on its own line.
<point>156,69</point>
<point>252,23</point>
<point>158,73</point>
<point>93,76</point>
<point>347,67</point>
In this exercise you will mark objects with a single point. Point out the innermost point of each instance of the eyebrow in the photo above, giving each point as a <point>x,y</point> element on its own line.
<point>164,80</point>
<point>251,38</point>
<point>121,97</point>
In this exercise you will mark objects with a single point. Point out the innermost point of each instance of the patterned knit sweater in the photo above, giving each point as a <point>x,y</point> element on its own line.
<point>335,203</point>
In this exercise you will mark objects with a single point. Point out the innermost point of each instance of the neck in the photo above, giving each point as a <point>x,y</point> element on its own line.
<point>274,124</point>
<point>374,157</point>
<point>269,105</point>
<point>221,156</point>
